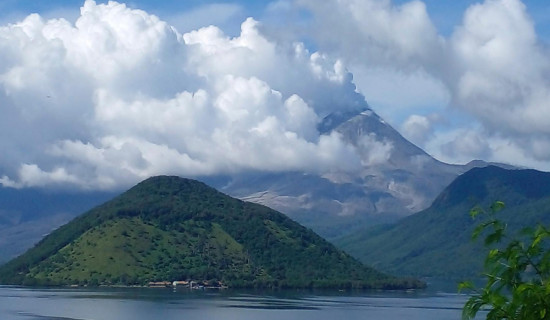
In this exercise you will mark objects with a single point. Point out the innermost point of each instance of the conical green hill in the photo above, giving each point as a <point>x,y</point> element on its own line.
<point>170,228</point>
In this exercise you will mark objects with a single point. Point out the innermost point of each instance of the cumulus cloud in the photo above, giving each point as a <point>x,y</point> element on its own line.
<point>417,129</point>
<point>376,32</point>
<point>493,66</point>
<point>502,75</point>
<point>373,151</point>
<point>467,145</point>
<point>121,95</point>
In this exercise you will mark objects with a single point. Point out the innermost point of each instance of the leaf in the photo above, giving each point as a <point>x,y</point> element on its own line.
<point>471,308</point>
<point>493,253</point>
<point>468,285</point>
<point>521,288</point>
<point>481,227</point>
<point>494,237</point>
<point>536,241</point>
<point>517,272</point>
<point>540,234</point>
<point>497,206</point>
<point>477,231</point>
<point>475,211</point>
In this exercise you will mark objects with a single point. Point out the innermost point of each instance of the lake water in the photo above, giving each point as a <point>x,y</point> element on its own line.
<point>166,304</point>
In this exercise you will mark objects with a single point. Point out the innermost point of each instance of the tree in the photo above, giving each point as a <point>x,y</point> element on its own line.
<point>517,271</point>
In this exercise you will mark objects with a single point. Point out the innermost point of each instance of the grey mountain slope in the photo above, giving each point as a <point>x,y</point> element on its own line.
<point>354,125</point>
<point>407,180</point>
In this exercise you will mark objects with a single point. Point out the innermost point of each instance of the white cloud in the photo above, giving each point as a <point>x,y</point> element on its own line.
<point>32,175</point>
<point>500,76</point>
<point>288,68</point>
<point>502,71</point>
<point>120,96</point>
<point>375,32</point>
<point>373,151</point>
<point>493,67</point>
<point>468,144</point>
<point>507,151</point>
<point>417,129</point>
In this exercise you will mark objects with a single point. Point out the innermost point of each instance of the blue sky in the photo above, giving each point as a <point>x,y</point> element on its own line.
<point>462,79</point>
<point>448,14</point>
<point>445,14</point>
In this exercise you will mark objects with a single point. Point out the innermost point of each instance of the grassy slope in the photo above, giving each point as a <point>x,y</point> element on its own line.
<point>437,241</point>
<point>169,228</point>
<point>128,250</point>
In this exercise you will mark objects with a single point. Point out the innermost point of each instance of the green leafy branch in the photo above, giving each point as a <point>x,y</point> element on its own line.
<point>517,271</point>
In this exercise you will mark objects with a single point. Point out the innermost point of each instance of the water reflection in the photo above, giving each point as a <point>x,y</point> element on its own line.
<point>139,303</point>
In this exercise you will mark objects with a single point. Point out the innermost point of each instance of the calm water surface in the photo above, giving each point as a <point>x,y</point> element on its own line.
<point>120,304</point>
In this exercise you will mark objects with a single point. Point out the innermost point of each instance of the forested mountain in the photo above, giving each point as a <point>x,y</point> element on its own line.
<point>437,241</point>
<point>396,179</point>
<point>170,228</point>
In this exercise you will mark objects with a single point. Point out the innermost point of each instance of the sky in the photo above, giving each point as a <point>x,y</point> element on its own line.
<point>98,95</point>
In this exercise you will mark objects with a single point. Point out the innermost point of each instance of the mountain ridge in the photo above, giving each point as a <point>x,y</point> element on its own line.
<point>437,241</point>
<point>339,203</point>
<point>170,228</point>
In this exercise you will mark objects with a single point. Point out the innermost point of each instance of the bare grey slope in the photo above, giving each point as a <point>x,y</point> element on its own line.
<point>405,181</point>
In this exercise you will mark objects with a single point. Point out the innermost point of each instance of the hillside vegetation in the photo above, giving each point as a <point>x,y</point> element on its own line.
<point>437,241</point>
<point>170,228</point>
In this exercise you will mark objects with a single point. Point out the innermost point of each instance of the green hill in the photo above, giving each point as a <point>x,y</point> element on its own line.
<point>437,241</point>
<point>170,228</point>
